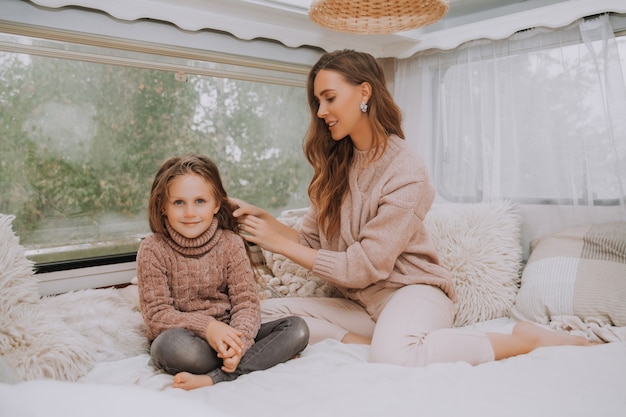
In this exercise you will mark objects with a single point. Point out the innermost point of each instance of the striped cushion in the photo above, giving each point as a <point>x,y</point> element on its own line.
<point>580,272</point>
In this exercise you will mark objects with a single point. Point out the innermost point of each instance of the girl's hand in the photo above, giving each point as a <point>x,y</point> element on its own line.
<point>231,363</point>
<point>224,339</point>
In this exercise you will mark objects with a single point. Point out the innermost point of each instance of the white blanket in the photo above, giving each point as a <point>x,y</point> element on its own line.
<point>333,379</point>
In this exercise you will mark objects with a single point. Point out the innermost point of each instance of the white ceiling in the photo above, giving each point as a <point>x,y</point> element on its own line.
<point>287,21</point>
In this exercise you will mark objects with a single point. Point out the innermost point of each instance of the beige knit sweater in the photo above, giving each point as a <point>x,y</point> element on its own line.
<point>382,239</point>
<point>190,282</point>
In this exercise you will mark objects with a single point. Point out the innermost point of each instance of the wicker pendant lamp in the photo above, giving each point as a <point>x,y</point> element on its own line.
<point>376,16</point>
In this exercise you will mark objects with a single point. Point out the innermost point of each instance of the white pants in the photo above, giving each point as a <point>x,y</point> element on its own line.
<point>410,326</point>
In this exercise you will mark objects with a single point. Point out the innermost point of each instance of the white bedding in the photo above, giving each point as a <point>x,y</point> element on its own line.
<point>333,379</point>
<point>97,338</point>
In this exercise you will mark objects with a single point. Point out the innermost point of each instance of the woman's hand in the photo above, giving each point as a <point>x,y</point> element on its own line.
<point>242,209</point>
<point>261,228</point>
<point>263,233</point>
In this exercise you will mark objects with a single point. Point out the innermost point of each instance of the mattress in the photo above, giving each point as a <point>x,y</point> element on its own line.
<point>335,379</point>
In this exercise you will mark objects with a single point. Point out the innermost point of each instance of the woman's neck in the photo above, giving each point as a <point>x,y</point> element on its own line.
<point>363,138</point>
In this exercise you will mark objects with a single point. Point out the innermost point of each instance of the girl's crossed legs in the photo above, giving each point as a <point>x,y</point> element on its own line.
<point>194,363</point>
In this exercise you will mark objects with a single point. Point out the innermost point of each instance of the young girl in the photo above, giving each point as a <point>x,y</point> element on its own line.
<point>364,232</point>
<point>197,289</point>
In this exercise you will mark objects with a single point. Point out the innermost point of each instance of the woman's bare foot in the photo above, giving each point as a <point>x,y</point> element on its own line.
<point>527,337</point>
<point>541,337</point>
<point>356,339</point>
<point>188,381</point>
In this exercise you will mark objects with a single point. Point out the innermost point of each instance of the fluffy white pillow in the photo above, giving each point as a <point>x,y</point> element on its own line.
<point>17,282</point>
<point>480,244</point>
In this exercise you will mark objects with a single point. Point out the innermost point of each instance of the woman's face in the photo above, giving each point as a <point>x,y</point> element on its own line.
<point>339,107</point>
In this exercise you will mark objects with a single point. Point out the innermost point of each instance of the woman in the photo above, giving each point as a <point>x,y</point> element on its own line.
<point>364,232</point>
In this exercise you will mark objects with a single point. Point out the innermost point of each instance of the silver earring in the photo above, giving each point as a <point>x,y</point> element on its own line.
<point>363,107</point>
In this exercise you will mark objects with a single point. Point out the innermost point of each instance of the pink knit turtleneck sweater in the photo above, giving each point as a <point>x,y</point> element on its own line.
<point>190,282</point>
<point>382,240</point>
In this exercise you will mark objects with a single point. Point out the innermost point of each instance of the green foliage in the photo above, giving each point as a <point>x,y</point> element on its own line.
<point>81,142</point>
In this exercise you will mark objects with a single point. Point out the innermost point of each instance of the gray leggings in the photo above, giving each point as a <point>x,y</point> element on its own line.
<point>178,349</point>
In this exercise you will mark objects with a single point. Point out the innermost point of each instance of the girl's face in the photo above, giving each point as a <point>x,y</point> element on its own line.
<point>191,205</point>
<point>339,107</point>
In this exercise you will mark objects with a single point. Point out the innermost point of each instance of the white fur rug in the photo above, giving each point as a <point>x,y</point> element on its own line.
<point>60,337</point>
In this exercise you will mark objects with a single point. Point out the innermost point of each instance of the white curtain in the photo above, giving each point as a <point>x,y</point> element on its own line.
<point>539,118</point>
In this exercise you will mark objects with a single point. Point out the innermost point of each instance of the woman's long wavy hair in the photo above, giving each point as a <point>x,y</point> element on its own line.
<point>331,160</point>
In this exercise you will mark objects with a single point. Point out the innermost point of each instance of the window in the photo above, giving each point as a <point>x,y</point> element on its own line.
<point>536,118</point>
<point>621,46</point>
<point>84,128</point>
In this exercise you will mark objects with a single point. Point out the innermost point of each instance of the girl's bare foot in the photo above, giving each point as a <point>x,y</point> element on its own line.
<point>540,337</point>
<point>188,381</point>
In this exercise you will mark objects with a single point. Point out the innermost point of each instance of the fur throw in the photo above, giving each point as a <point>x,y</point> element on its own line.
<point>57,336</point>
